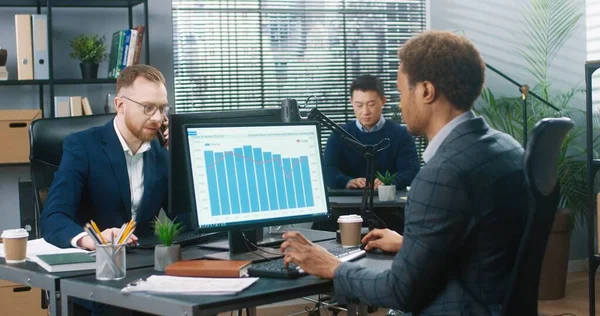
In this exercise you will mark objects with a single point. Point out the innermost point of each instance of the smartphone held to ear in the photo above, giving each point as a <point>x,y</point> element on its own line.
<point>160,134</point>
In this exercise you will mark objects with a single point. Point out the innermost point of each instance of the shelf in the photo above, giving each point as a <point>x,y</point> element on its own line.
<point>84,81</point>
<point>22,82</point>
<point>16,164</point>
<point>71,3</point>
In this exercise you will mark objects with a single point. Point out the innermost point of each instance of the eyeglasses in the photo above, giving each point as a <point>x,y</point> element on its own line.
<point>151,109</point>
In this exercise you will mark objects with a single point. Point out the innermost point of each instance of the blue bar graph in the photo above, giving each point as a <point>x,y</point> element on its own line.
<point>289,182</point>
<point>248,179</point>
<point>232,182</point>
<point>222,180</point>
<point>280,179</point>
<point>211,173</point>
<point>297,174</point>
<point>271,187</point>
<point>241,178</point>
<point>261,179</point>
<point>250,174</point>
<point>306,181</point>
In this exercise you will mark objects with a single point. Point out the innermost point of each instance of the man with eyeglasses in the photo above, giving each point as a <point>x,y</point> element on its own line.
<point>113,173</point>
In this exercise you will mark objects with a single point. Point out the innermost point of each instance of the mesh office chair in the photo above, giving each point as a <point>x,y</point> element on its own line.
<point>540,166</point>
<point>45,140</point>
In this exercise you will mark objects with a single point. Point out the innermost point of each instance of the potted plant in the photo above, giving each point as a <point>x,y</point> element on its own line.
<point>548,27</point>
<point>387,191</point>
<point>90,51</point>
<point>166,253</point>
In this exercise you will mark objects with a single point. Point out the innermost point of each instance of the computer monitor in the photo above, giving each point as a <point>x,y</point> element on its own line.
<point>247,176</point>
<point>179,184</point>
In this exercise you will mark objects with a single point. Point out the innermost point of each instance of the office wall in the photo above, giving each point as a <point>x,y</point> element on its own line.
<point>495,28</point>
<point>67,23</point>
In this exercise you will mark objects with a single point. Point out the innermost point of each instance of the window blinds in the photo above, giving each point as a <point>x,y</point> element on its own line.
<point>242,54</point>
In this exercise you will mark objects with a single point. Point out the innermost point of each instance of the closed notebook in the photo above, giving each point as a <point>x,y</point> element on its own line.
<point>208,268</point>
<point>66,262</point>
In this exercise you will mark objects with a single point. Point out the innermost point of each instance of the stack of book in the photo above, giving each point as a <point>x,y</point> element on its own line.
<point>71,106</point>
<point>3,73</point>
<point>125,50</point>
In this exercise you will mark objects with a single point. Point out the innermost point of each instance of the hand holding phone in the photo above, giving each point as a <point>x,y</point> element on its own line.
<point>160,134</point>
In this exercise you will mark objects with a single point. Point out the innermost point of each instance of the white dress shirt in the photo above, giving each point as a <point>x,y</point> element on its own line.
<point>135,171</point>
<point>439,138</point>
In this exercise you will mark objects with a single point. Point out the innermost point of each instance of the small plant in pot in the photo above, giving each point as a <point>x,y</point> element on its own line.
<point>386,191</point>
<point>90,51</point>
<point>166,253</point>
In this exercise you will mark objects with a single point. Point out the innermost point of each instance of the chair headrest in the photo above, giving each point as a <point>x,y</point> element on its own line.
<point>543,151</point>
<point>46,135</point>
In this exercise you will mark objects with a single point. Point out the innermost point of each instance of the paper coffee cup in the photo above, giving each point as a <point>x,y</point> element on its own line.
<point>350,227</point>
<point>15,245</point>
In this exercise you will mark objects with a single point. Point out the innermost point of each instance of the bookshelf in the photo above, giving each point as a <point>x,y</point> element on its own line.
<point>49,5</point>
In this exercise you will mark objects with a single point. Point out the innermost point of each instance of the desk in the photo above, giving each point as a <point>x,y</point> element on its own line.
<point>356,201</point>
<point>264,291</point>
<point>31,274</point>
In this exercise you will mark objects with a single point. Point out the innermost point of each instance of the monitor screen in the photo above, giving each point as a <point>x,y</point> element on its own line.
<point>255,175</point>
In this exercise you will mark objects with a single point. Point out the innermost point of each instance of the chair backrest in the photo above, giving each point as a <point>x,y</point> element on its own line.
<point>45,141</point>
<point>541,173</point>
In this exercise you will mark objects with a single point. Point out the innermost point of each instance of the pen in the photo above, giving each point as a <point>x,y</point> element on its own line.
<point>98,231</point>
<point>129,233</point>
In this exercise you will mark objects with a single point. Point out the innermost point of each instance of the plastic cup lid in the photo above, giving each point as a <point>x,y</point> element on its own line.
<point>350,219</point>
<point>15,233</point>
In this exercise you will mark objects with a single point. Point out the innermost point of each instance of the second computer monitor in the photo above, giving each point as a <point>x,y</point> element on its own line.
<point>254,175</point>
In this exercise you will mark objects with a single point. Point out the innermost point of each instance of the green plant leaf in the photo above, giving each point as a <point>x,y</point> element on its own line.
<point>166,230</point>
<point>88,49</point>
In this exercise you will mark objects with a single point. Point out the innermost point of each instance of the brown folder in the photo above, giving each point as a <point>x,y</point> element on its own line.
<point>208,268</point>
<point>24,46</point>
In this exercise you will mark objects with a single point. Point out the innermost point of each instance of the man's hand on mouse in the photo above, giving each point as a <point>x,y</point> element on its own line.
<point>312,258</point>
<point>384,239</point>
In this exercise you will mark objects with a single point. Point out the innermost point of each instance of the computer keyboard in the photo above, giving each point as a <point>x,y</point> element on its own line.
<point>277,269</point>
<point>184,239</point>
<point>344,192</point>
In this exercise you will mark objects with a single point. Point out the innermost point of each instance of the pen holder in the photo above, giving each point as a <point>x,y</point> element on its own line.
<point>110,262</point>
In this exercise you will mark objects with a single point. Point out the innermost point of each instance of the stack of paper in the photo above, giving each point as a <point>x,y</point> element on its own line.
<point>163,284</point>
<point>38,247</point>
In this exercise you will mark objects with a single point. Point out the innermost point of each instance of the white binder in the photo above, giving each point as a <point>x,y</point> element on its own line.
<point>40,46</point>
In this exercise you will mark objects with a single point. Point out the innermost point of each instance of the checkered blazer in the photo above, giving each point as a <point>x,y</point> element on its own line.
<point>465,214</point>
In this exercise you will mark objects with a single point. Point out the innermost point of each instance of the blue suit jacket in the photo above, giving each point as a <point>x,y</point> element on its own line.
<point>464,218</point>
<point>92,183</point>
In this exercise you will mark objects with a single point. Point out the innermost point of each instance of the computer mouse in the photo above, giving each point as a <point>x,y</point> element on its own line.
<point>376,251</point>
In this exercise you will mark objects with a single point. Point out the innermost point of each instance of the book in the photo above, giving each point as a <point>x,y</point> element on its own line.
<point>66,262</point>
<point>209,268</point>
<point>164,284</point>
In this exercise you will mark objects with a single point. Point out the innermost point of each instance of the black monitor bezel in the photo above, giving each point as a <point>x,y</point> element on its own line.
<point>256,223</point>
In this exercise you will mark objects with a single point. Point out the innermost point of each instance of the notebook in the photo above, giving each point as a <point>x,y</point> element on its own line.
<point>66,262</point>
<point>164,284</point>
<point>209,268</point>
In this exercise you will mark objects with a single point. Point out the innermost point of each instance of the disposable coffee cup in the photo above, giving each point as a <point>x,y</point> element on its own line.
<point>15,245</point>
<point>350,227</point>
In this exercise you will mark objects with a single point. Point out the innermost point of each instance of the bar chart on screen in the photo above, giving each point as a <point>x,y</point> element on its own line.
<point>254,174</point>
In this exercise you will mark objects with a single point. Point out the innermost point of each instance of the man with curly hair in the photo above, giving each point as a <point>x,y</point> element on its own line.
<point>467,206</point>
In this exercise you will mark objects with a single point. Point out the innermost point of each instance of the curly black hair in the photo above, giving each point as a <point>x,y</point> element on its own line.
<point>449,61</point>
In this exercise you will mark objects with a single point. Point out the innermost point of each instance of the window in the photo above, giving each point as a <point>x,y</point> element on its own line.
<point>237,54</point>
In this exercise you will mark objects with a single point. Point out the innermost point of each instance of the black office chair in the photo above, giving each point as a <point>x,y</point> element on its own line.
<point>45,141</point>
<point>540,166</point>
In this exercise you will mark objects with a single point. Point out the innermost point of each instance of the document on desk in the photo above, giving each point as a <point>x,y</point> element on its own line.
<point>41,247</point>
<point>163,284</point>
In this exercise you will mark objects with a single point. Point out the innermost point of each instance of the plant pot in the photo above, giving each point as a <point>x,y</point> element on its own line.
<point>165,255</point>
<point>553,277</point>
<point>88,70</point>
<point>386,192</point>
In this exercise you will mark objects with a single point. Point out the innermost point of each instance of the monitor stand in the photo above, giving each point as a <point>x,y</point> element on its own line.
<point>243,247</point>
